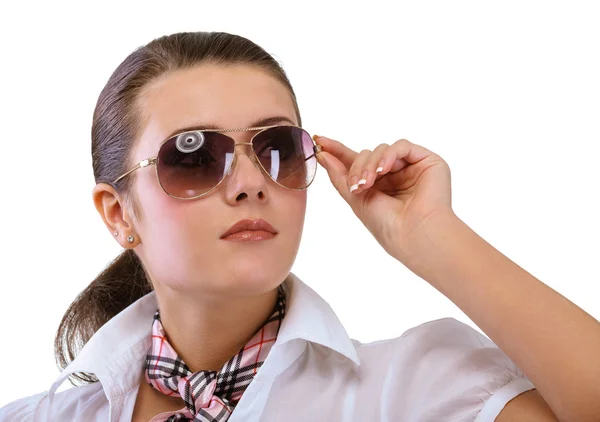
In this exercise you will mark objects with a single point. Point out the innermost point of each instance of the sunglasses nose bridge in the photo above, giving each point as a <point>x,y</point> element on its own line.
<point>249,153</point>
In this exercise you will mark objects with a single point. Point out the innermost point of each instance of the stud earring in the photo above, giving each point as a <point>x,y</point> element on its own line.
<point>130,239</point>
<point>116,233</point>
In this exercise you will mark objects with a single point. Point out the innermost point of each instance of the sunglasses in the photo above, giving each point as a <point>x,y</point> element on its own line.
<point>192,164</point>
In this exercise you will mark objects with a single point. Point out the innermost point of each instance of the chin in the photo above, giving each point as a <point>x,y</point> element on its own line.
<point>257,276</point>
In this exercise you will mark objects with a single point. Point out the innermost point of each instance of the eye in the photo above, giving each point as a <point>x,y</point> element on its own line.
<point>189,141</point>
<point>286,149</point>
<point>196,159</point>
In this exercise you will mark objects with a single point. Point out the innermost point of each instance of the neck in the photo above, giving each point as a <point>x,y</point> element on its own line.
<point>206,332</point>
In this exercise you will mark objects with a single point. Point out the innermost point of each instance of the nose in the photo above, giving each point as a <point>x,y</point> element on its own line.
<point>245,178</point>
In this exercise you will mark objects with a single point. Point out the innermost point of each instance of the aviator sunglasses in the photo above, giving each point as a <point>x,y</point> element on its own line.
<point>193,163</point>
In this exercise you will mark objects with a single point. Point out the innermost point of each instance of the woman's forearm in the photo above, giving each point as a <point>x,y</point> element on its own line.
<point>553,341</point>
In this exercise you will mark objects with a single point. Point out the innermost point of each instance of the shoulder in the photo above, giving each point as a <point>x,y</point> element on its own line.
<point>449,368</point>
<point>22,409</point>
<point>65,403</point>
<point>444,344</point>
<point>429,337</point>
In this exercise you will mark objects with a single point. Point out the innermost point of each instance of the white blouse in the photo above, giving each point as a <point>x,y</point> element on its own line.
<point>442,370</point>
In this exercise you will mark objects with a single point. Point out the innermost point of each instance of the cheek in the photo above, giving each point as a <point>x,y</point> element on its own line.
<point>175,235</point>
<point>300,207</point>
<point>292,211</point>
<point>181,238</point>
<point>182,226</point>
<point>164,216</point>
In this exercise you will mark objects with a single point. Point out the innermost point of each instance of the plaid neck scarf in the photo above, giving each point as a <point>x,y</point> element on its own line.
<point>209,396</point>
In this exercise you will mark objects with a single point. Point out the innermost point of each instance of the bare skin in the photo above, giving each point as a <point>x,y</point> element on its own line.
<point>406,205</point>
<point>213,294</point>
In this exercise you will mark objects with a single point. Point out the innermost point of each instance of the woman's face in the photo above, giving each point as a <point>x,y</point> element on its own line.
<point>181,245</point>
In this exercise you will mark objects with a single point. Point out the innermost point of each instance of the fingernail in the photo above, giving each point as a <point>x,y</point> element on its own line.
<point>315,137</point>
<point>353,188</point>
<point>379,170</point>
<point>322,159</point>
<point>363,179</point>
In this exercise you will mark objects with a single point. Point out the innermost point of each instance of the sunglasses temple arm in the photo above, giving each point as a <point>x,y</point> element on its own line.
<point>129,172</point>
<point>317,149</point>
<point>139,165</point>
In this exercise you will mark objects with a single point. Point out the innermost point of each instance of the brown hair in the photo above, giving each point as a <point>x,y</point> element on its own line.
<point>115,127</point>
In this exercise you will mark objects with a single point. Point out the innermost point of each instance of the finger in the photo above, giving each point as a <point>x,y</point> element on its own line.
<point>356,173</point>
<point>401,154</point>
<point>337,149</point>
<point>338,174</point>
<point>365,170</point>
<point>411,153</point>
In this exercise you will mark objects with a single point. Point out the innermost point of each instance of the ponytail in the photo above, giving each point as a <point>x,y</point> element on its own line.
<point>120,284</point>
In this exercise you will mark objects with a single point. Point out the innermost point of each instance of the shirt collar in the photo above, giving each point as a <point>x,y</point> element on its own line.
<point>308,317</point>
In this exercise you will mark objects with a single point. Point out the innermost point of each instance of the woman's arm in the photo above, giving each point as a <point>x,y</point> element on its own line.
<point>553,341</point>
<point>402,194</point>
<point>527,407</point>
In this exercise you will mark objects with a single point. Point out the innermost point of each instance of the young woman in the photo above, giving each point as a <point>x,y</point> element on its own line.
<point>202,166</point>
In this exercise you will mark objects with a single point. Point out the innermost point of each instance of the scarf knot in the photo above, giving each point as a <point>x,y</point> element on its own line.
<point>209,396</point>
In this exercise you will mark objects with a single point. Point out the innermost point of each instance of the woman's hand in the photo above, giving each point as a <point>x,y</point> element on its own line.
<point>407,207</point>
<point>393,189</point>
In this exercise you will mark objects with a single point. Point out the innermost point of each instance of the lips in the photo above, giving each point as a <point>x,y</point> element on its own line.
<point>249,225</point>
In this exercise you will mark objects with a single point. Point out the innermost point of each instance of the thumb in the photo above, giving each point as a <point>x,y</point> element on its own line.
<point>338,174</point>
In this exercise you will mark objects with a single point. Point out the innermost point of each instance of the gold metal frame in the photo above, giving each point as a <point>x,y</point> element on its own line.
<point>154,160</point>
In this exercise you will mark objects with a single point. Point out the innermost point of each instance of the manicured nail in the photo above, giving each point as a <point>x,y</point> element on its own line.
<point>353,187</point>
<point>363,179</point>
<point>315,137</point>
<point>379,170</point>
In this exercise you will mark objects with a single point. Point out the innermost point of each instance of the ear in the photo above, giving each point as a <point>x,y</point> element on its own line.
<point>113,211</point>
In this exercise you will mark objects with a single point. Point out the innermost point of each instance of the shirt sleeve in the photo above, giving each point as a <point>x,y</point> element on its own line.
<point>462,374</point>
<point>22,410</point>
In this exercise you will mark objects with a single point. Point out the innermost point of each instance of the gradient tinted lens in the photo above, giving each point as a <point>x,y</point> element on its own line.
<point>193,163</point>
<point>287,154</point>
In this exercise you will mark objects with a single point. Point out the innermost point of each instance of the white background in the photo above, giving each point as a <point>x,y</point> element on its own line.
<point>508,94</point>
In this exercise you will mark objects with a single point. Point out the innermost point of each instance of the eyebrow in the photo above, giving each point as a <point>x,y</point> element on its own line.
<point>261,122</point>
